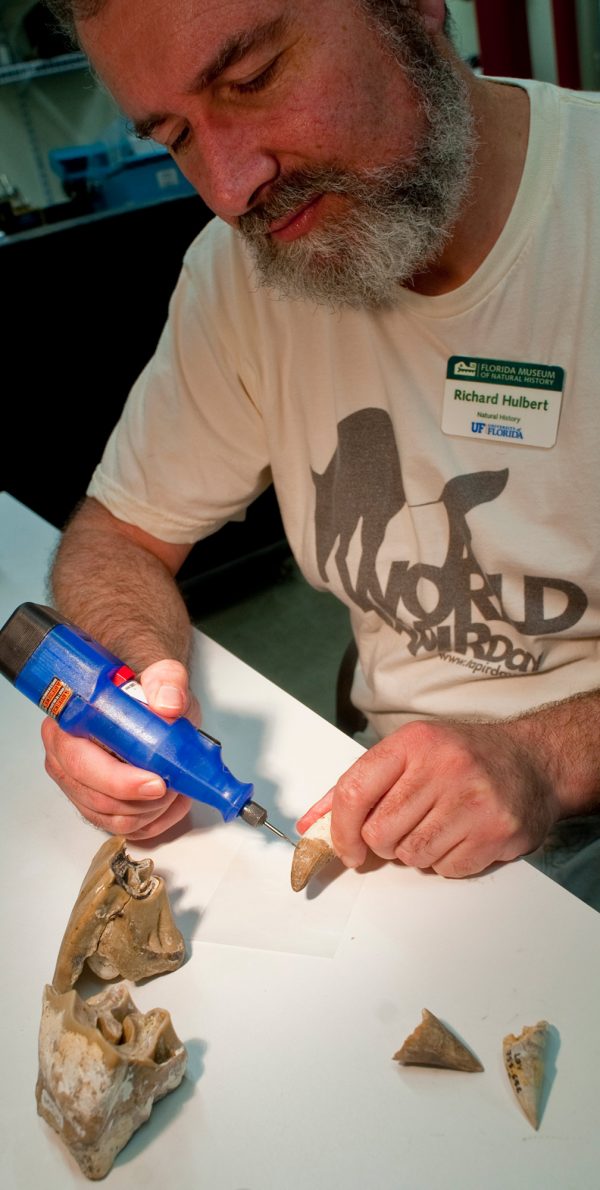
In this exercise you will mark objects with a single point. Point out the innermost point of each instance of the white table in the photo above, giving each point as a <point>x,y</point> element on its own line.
<point>291,1005</point>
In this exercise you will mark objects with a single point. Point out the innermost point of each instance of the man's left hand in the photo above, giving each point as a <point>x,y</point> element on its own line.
<point>455,797</point>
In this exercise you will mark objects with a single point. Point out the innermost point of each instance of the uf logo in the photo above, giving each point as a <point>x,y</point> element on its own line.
<point>477,426</point>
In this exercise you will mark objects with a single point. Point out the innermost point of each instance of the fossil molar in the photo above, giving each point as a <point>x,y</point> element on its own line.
<point>121,922</point>
<point>103,1065</point>
<point>314,850</point>
<point>524,1061</point>
<point>432,1044</point>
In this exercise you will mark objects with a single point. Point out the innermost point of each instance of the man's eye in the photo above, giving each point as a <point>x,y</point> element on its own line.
<point>259,81</point>
<point>180,141</point>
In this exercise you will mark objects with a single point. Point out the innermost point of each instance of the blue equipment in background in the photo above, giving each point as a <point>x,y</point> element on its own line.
<point>119,172</point>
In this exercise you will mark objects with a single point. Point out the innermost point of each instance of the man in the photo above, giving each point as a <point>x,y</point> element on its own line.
<point>403,299</point>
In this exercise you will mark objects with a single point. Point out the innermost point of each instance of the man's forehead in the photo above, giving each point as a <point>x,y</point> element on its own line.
<point>137,25</point>
<point>131,43</point>
<point>214,14</point>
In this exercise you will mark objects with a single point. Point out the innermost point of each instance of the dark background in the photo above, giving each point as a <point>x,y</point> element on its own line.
<point>84,304</point>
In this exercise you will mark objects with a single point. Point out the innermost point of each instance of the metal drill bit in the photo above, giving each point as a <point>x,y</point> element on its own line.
<point>276,831</point>
<point>256,815</point>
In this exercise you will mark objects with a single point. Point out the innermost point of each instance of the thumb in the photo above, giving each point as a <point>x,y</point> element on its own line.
<point>166,686</point>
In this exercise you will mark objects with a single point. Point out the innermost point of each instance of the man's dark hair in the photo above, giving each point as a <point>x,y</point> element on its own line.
<point>67,12</point>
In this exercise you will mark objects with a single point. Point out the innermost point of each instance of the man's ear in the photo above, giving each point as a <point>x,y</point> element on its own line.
<point>433,14</point>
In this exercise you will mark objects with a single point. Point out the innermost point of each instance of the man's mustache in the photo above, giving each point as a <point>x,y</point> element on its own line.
<point>379,188</point>
<point>288,194</point>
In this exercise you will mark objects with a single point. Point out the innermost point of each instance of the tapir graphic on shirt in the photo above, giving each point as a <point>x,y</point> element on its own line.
<point>360,498</point>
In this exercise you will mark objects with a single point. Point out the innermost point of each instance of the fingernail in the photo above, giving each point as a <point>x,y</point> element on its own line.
<point>152,788</point>
<point>169,698</point>
<point>351,861</point>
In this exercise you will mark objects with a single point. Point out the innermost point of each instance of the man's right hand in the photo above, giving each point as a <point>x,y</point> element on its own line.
<point>117,797</point>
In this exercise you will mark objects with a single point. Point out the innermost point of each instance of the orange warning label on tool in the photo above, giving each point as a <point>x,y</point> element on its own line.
<point>55,697</point>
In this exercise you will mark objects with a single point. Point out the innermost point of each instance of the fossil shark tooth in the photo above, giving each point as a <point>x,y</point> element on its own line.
<point>524,1060</point>
<point>312,852</point>
<point>102,1066</point>
<point>433,1044</point>
<point>121,922</point>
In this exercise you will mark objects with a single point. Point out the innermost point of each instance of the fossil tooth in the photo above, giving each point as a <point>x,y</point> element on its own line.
<point>432,1044</point>
<point>121,922</point>
<point>102,1066</point>
<point>314,850</point>
<point>524,1061</point>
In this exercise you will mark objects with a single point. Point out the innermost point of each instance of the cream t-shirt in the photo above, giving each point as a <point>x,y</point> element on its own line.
<point>468,556</point>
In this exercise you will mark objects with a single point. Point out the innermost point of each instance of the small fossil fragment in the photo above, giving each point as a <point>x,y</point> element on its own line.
<point>432,1044</point>
<point>121,922</point>
<point>314,850</point>
<point>524,1061</point>
<point>102,1066</point>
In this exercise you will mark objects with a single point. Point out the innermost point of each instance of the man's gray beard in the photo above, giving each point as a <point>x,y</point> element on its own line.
<point>398,217</point>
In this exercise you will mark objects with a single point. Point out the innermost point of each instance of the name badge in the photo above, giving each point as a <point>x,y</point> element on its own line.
<point>496,400</point>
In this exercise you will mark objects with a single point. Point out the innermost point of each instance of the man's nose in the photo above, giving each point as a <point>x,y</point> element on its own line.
<point>232,169</point>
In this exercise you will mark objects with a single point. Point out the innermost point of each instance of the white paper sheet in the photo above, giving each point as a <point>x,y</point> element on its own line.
<point>254,905</point>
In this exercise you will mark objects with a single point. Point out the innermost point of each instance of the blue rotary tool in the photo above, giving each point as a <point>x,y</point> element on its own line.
<point>92,694</point>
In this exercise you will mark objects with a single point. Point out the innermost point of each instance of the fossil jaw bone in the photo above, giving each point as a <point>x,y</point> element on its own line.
<point>314,850</point>
<point>524,1059</point>
<point>102,1066</point>
<point>121,922</point>
<point>433,1044</point>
